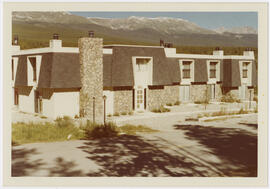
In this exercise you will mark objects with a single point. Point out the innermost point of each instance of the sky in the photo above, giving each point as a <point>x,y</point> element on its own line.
<point>209,20</point>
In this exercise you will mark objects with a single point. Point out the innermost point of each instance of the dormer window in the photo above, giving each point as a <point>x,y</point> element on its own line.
<point>245,69</point>
<point>213,69</point>
<point>34,67</point>
<point>186,69</point>
<point>141,64</point>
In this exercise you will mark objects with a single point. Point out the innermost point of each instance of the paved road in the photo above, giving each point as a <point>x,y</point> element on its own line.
<point>218,148</point>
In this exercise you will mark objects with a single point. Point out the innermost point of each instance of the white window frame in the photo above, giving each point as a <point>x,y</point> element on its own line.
<point>30,70</point>
<point>246,81</point>
<point>149,69</point>
<point>217,79</point>
<point>187,81</point>
<point>15,64</point>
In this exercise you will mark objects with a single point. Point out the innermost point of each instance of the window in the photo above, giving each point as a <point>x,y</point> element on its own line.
<point>34,66</point>
<point>245,69</point>
<point>139,98</point>
<point>213,69</point>
<point>186,69</point>
<point>141,64</point>
<point>12,69</point>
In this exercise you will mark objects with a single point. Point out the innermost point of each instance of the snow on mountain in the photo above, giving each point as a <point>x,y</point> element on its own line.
<point>237,30</point>
<point>161,24</point>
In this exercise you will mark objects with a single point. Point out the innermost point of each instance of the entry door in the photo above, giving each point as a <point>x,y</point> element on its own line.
<point>184,93</point>
<point>140,99</point>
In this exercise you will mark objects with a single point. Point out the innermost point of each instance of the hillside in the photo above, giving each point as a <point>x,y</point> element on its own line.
<point>35,29</point>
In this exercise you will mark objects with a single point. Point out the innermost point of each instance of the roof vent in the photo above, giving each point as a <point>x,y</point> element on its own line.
<point>91,33</point>
<point>161,43</point>
<point>16,40</point>
<point>168,45</point>
<point>56,36</point>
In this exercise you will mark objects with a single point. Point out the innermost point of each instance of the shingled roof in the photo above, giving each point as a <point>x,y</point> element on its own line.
<point>62,70</point>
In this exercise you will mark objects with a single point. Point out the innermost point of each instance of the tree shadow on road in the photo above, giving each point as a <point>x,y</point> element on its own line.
<point>64,168</point>
<point>21,166</point>
<point>237,148</point>
<point>128,155</point>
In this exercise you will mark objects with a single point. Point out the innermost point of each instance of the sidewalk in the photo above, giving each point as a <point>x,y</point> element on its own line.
<point>184,110</point>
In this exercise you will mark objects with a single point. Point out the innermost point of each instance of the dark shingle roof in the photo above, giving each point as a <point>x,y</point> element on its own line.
<point>62,70</point>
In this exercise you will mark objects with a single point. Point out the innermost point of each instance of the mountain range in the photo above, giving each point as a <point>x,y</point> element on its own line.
<point>36,28</point>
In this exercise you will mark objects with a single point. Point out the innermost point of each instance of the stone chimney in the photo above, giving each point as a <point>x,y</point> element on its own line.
<point>91,72</point>
<point>161,43</point>
<point>218,51</point>
<point>55,42</point>
<point>91,33</point>
<point>248,52</point>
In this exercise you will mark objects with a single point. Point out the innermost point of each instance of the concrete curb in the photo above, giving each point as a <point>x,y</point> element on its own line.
<point>226,116</point>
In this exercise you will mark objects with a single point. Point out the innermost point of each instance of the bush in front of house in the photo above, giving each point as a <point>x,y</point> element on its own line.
<point>63,121</point>
<point>169,104</point>
<point>161,109</point>
<point>94,130</point>
<point>123,113</point>
<point>229,98</point>
<point>116,114</point>
<point>177,103</point>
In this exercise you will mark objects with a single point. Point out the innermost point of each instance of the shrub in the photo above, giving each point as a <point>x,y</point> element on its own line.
<point>243,111</point>
<point>130,113</point>
<point>109,115</point>
<point>177,103</point>
<point>43,117</point>
<point>255,98</point>
<point>116,114</point>
<point>94,130</point>
<point>76,117</point>
<point>169,104</point>
<point>123,113</point>
<point>161,109</point>
<point>229,98</point>
<point>64,121</point>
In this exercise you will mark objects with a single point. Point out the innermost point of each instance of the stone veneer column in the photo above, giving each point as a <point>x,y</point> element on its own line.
<point>91,72</point>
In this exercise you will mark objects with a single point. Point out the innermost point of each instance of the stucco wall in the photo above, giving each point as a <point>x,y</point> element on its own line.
<point>159,97</point>
<point>123,101</point>
<point>26,99</point>
<point>48,103</point>
<point>66,104</point>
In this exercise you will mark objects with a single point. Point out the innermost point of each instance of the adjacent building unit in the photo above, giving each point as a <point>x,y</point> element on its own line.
<point>58,81</point>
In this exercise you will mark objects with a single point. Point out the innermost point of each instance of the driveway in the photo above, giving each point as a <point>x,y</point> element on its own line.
<point>217,148</point>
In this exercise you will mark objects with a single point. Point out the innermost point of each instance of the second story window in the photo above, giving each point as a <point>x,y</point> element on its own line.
<point>213,69</point>
<point>245,69</point>
<point>186,69</point>
<point>141,65</point>
<point>34,66</point>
